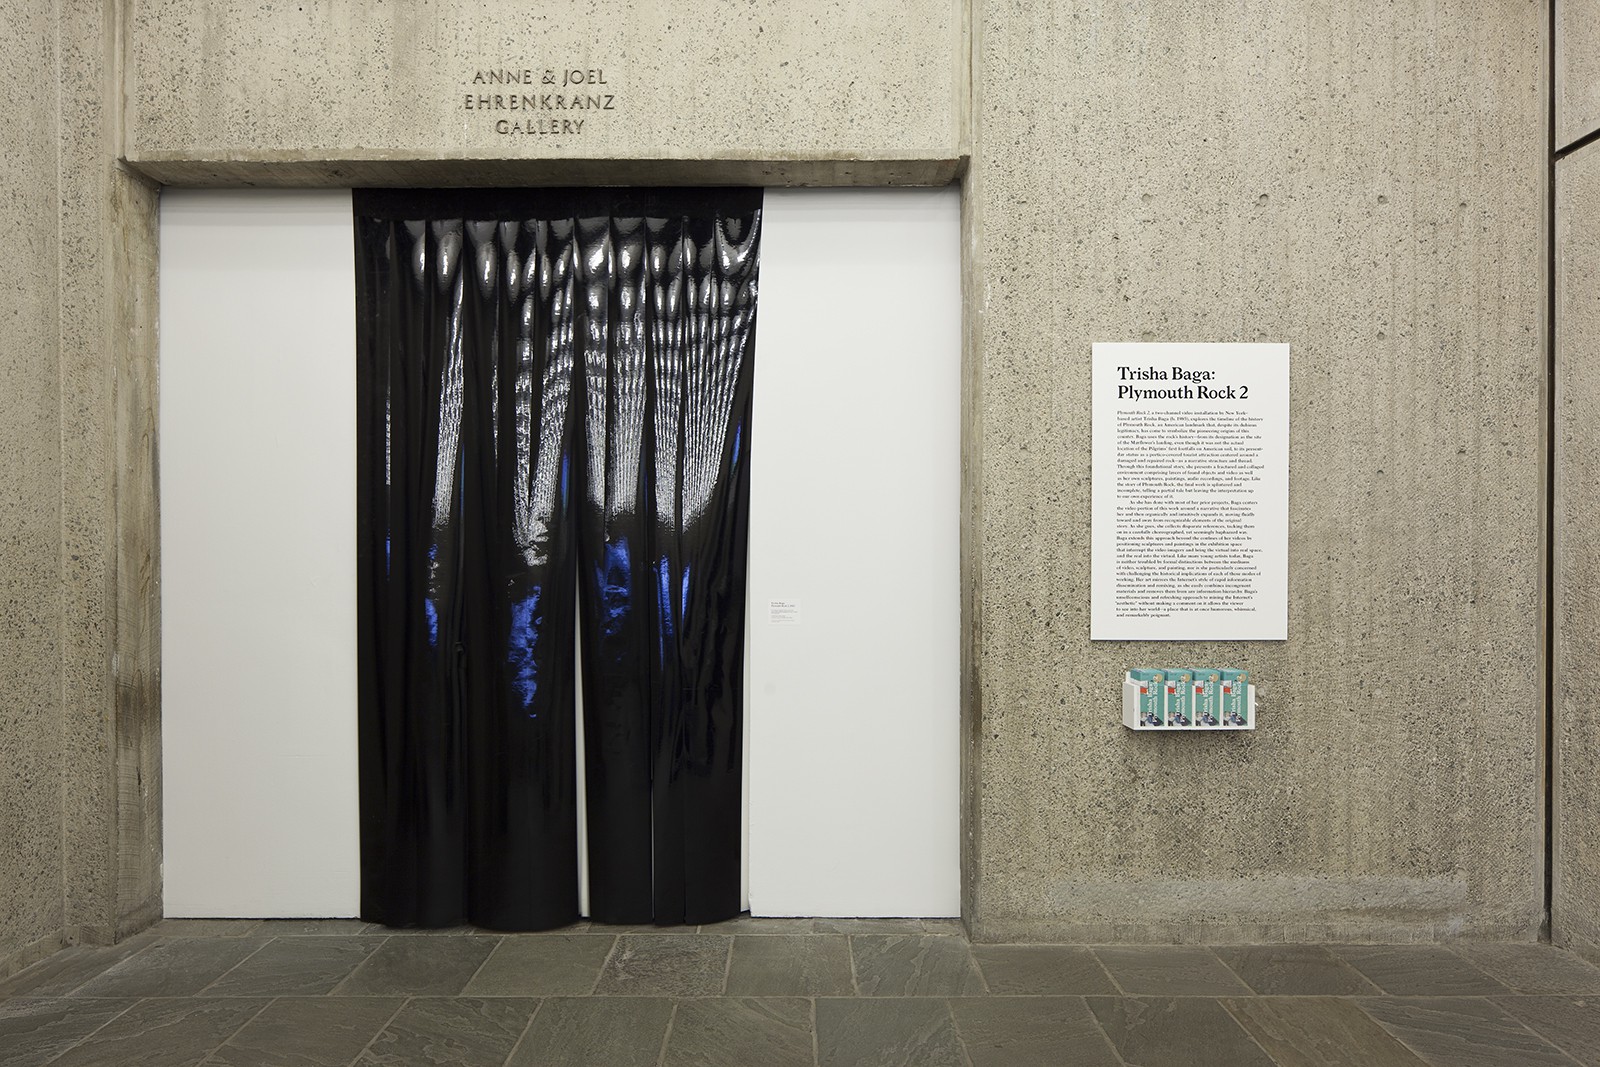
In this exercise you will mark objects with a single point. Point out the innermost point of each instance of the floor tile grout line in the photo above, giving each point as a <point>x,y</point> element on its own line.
<point>527,1028</point>
<point>248,957</point>
<point>666,1038</point>
<point>1109,974</point>
<point>955,1029</point>
<point>334,992</point>
<point>1222,1002</point>
<point>98,974</point>
<point>983,979</point>
<point>1418,1052</point>
<point>240,1028</point>
<point>1471,963</point>
<point>816,1050</point>
<point>845,996</point>
<point>616,939</point>
<point>16,976</point>
<point>487,956</point>
<point>1389,1031</point>
<point>91,1033</point>
<point>1518,1020</point>
<point>1253,991</point>
<point>382,1029</point>
<point>1100,1027</point>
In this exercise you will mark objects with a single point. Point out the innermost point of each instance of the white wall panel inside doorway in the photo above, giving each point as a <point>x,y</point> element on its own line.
<point>852,719</point>
<point>854,495</point>
<point>258,598</point>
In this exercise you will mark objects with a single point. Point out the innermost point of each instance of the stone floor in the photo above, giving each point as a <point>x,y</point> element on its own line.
<point>780,992</point>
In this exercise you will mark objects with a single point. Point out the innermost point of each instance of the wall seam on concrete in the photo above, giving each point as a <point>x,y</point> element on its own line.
<point>62,589</point>
<point>1582,142</point>
<point>1552,455</point>
<point>971,551</point>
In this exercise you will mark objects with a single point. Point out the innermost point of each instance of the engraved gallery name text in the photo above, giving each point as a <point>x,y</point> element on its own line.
<point>545,95</point>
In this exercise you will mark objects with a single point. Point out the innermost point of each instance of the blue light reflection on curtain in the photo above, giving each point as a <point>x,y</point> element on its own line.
<point>555,396</point>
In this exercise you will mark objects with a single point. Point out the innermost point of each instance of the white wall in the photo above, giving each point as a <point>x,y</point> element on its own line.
<point>853,731</point>
<point>258,536</point>
<point>855,482</point>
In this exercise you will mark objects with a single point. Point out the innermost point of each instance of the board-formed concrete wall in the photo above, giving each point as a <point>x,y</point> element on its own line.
<point>30,499</point>
<point>1364,183</point>
<point>1367,184</point>
<point>79,690</point>
<point>774,90</point>
<point>1577,69</point>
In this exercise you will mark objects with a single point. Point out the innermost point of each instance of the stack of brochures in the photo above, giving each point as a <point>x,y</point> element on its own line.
<point>1188,698</point>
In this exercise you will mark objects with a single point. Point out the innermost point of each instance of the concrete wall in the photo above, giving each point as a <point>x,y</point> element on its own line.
<point>775,91</point>
<point>30,500</point>
<point>1577,69</point>
<point>79,692</point>
<point>1364,183</point>
<point>1575,904</point>
<point>1367,184</point>
<point>111,652</point>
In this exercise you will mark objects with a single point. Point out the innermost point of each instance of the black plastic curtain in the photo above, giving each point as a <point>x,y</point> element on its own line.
<point>554,391</point>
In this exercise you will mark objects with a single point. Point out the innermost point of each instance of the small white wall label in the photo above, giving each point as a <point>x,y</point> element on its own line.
<point>783,612</point>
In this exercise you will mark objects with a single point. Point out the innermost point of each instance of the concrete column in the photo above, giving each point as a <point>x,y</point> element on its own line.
<point>1575,907</point>
<point>30,498</point>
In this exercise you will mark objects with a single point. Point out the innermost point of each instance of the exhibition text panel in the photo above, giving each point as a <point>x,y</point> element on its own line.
<point>1191,492</point>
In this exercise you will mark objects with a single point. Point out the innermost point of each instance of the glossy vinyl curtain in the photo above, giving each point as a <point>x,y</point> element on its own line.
<point>554,391</point>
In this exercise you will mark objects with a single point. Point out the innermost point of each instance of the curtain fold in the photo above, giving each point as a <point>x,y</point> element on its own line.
<point>554,391</point>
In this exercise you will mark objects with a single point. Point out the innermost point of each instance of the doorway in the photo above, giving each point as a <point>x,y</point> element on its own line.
<point>852,675</point>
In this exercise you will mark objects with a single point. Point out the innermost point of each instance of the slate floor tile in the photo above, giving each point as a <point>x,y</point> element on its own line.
<point>315,928</point>
<point>1319,1032</point>
<point>1419,970</point>
<point>1169,971</point>
<point>418,966</point>
<point>881,927</point>
<point>542,966</point>
<point>295,966</point>
<point>754,925</point>
<point>1031,1032</point>
<point>307,1032</point>
<point>1042,970</point>
<point>1571,1024</point>
<point>431,931</point>
<point>1533,968</point>
<point>579,926</point>
<point>886,1032</point>
<point>595,1032</point>
<point>785,999</point>
<point>70,968</point>
<point>177,968</point>
<point>808,965</point>
<point>914,965</point>
<point>163,1033</point>
<point>1462,1032</point>
<point>670,965</point>
<point>734,1032</point>
<point>206,928</point>
<point>1176,1032</point>
<point>1293,970</point>
<point>35,1031</point>
<point>451,1032</point>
